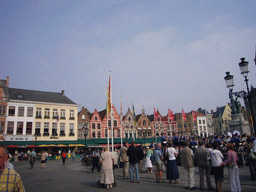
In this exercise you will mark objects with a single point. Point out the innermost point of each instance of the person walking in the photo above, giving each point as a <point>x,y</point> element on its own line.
<point>64,157</point>
<point>32,157</point>
<point>250,159</point>
<point>107,162</point>
<point>217,170</point>
<point>202,159</point>
<point>43,160</point>
<point>125,160</point>
<point>173,173</point>
<point>233,171</point>
<point>188,164</point>
<point>95,160</point>
<point>159,158</point>
<point>135,154</point>
<point>73,155</point>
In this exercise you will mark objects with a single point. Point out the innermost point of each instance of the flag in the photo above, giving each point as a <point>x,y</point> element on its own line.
<point>194,115</point>
<point>155,114</point>
<point>109,96</point>
<point>170,115</point>
<point>121,111</point>
<point>134,116</point>
<point>184,116</point>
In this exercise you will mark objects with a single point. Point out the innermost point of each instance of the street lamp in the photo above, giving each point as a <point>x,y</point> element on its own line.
<point>229,80</point>
<point>85,135</point>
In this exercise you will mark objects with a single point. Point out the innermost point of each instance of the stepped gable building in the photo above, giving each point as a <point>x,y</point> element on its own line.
<point>3,105</point>
<point>84,118</point>
<point>40,115</point>
<point>96,124</point>
<point>128,125</point>
<point>179,122</point>
<point>144,129</point>
<point>170,126</point>
<point>157,125</point>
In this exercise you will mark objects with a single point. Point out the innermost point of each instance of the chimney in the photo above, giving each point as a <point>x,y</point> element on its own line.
<point>63,93</point>
<point>7,81</point>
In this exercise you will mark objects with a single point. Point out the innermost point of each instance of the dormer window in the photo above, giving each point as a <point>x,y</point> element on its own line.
<point>96,118</point>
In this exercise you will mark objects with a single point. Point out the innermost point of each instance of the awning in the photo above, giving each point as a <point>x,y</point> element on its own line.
<point>32,146</point>
<point>76,145</point>
<point>60,145</point>
<point>13,146</point>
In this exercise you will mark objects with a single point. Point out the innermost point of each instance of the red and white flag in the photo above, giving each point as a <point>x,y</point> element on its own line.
<point>194,115</point>
<point>184,116</point>
<point>155,114</point>
<point>170,115</point>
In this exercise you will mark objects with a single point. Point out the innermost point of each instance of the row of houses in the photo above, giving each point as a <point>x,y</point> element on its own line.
<point>29,115</point>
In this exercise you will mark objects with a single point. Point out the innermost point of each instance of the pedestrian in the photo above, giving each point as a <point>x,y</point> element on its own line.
<point>32,157</point>
<point>233,171</point>
<point>251,161</point>
<point>73,155</point>
<point>107,162</point>
<point>173,173</point>
<point>43,160</point>
<point>202,159</point>
<point>148,164</point>
<point>95,160</point>
<point>159,158</point>
<point>188,164</point>
<point>64,156</point>
<point>217,170</point>
<point>10,180</point>
<point>135,154</point>
<point>124,159</point>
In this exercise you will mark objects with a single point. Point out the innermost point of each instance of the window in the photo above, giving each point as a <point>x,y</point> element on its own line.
<point>55,113</point>
<point>203,121</point>
<point>205,128</point>
<point>29,128</point>
<point>99,136</point>
<point>30,112</point>
<point>72,114</point>
<point>62,129</point>
<point>38,112</point>
<point>118,132</point>
<point>10,127</point>
<point>126,134</point>
<point>130,134</point>
<point>54,129</point>
<point>139,132</point>
<point>62,114</point>
<point>157,134</point>
<point>115,123</point>
<point>1,127</point>
<point>2,110</point>
<point>95,118</point>
<point>127,124</point>
<point>11,111</point>
<point>144,122</point>
<point>83,116</point>
<point>129,118</point>
<point>200,127</point>
<point>19,128</point>
<point>46,128</point>
<point>38,128</point>
<point>47,113</point>
<point>71,128</point>
<point>98,125</point>
<point>109,123</point>
<point>106,133</point>
<point>93,134</point>
<point>93,125</point>
<point>161,126</point>
<point>113,133</point>
<point>149,132</point>
<point>20,111</point>
<point>200,122</point>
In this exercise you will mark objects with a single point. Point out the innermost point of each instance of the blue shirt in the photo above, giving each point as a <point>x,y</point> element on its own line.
<point>157,154</point>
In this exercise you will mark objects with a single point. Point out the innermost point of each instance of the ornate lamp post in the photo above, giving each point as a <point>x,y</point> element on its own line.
<point>85,136</point>
<point>230,84</point>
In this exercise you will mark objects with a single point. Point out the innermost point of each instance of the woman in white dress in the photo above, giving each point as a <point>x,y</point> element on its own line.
<point>148,164</point>
<point>107,162</point>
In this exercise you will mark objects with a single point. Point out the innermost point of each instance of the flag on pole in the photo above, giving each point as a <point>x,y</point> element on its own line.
<point>109,96</point>
<point>134,116</point>
<point>155,114</point>
<point>170,115</point>
<point>194,115</point>
<point>184,116</point>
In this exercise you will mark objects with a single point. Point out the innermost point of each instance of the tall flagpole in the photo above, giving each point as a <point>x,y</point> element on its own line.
<point>112,141</point>
<point>155,124</point>
<point>121,117</point>
<point>107,113</point>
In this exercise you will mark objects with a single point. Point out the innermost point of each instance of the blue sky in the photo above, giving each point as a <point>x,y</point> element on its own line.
<point>162,54</point>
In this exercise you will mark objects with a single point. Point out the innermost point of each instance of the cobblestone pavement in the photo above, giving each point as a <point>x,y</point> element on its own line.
<point>75,177</point>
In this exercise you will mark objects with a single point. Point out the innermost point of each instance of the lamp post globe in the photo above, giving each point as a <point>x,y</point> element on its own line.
<point>229,80</point>
<point>244,67</point>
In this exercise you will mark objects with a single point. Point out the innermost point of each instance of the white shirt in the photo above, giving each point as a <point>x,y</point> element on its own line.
<point>216,157</point>
<point>170,152</point>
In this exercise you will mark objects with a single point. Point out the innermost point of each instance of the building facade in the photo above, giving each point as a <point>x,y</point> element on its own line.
<point>3,107</point>
<point>84,118</point>
<point>129,129</point>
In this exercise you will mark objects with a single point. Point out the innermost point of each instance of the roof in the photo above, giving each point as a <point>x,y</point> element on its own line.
<point>137,117</point>
<point>40,96</point>
<point>151,117</point>
<point>102,114</point>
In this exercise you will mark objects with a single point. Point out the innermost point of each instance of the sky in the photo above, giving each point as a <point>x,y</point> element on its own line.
<point>167,54</point>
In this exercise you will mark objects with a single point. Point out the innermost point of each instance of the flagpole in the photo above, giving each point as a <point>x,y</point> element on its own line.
<point>121,117</point>
<point>107,114</point>
<point>182,122</point>
<point>155,125</point>
<point>112,141</point>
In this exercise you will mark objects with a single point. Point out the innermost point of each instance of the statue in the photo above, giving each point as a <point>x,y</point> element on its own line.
<point>235,104</point>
